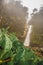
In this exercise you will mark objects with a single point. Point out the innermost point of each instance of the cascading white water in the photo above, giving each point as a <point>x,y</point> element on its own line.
<point>27,39</point>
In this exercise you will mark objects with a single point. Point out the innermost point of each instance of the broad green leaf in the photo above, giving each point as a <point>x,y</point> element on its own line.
<point>8,44</point>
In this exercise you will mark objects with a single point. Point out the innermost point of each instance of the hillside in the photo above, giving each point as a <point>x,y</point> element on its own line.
<point>37,31</point>
<point>13,15</point>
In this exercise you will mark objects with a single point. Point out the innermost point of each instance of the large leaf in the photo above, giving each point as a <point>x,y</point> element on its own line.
<point>8,44</point>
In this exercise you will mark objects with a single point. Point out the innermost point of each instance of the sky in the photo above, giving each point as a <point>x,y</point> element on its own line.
<point>31,4</point>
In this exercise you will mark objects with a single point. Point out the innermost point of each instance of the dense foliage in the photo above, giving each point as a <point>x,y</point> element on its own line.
<point>13,15</point>
<point>37,30</point>
<point>12,52</point>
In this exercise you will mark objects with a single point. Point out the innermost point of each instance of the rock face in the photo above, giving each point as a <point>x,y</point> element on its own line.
<point>37,32</point>
<point>13,15</point>
<point>38,51</point>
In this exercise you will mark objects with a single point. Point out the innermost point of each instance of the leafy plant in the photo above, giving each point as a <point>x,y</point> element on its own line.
<point>12,52</point>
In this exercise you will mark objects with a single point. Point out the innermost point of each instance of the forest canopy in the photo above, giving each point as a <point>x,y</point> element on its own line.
<point>37,32</point>
<point>14,15</point>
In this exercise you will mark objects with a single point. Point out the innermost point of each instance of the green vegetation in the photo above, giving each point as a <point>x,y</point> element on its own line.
<point>12,52</point>
<point>13,15</point>
<point>37,31</point>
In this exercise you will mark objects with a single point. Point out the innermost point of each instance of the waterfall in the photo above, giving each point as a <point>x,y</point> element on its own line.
<point>27,39</point>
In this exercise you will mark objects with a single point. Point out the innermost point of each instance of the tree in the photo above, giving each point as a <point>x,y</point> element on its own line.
<point>14,15</point>
<point>37,31</point>
<point>34,10</point>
